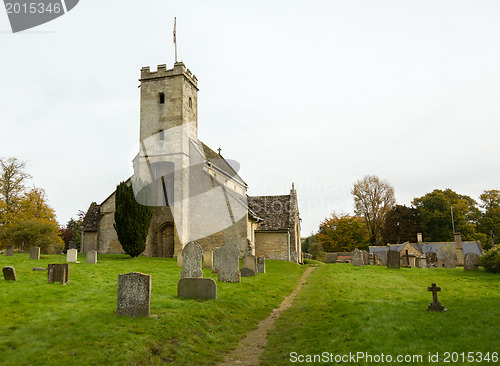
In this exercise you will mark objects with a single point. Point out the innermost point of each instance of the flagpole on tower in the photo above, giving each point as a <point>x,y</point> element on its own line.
<point>175,39</point>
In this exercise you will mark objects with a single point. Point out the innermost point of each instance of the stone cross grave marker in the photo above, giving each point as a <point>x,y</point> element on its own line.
<point>9,273</point>
<point>249,264</point>
<point>92,256</point>
<point>357,258</point>
<point>58,272</point>
<point>261,264</point>
<point>197,288</point>
<point>431,260</point>
<point>435,305</point>
<point>227,259</point>
<point>35,253</point>
<point>471,262</point>
<point>134,294</point>
<point>72,256</point>
<point>192,255</point>
<point>208,259</point>
<point>393,260</point>
<point>9,251</point>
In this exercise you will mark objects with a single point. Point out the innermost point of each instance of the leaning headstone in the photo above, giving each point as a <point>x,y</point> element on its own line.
<point>331,257</point>
<point>192,255</point>
<point>197,288</point>
<point>208,259</point>
<point>9,273</point>
<point>71,245</point>
<point>431,260</point>
<point>72,256</point>
<point>249,262</point>
<point>393,260</point>
<point>450,261</point>
<point>247,272</point>
<point>58,272</point>
<point>471,262</point>
<point>261,264</point>
<point>39,269</point>
<point>435,305</point>
<point>9,251</point>
<point>92,256</point>
<point>228,258</point>
<point>134,294</point>
<point>358,258</point>
<point>35,253</point>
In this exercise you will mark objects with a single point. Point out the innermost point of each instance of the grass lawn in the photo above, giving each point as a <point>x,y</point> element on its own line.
<point>343,308</point>
<point>76,324</point>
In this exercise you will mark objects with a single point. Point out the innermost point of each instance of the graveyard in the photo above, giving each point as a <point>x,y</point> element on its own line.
<point>342,308</point>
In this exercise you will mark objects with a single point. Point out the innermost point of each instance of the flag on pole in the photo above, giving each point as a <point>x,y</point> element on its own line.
<point>174,30</point>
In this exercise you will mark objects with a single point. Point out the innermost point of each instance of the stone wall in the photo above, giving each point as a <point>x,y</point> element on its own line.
<point>272,244</point>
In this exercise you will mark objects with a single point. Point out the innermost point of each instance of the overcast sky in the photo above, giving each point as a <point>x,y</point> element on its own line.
<point>319,93</point>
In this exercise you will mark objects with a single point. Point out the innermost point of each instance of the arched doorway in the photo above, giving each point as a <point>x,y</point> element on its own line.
<point>166,240</point>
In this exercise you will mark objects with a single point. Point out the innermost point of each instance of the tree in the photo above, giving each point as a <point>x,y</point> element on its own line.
<point>132,220</point>
<point>41,233</point>
<point>307,242</point>
<point>373,198</point>
<point>435,212</point>
<point>12,187</point>
<point>489,222</point>
<point>342,233</point>
<point>401,224</point>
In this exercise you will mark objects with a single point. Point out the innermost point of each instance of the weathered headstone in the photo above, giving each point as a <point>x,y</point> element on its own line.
<point>366,259</point>
<point>435,305</point>
<point>197,288</point>
<point>58,272</point>
<point>358,258</point>
<point>71,245</point>
<point>393,260</point>
<point>421,261</point>
<point>9,251</point>
<point>261,264</point>
<point>39,269</point>
<point>192,255</point>
<point>92,256</point>
<point>216,259</point>
<point>35,253</point>
<point>249,262</point>
<point>431,260</point>
<point>208,259</point>
<point>450,261</point>
<point>247,272</point>
<point>72,256</point>
<point>331,257</point>
<point>134,294</point>
<point>9,273</point>
<point>228,258</point>
<point>471,262</point>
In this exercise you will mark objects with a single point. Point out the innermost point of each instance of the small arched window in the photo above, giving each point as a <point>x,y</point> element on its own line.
<point>190,103</point>
<point>162,98</point>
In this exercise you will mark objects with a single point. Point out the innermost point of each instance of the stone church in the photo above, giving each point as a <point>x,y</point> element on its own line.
<point>196,194</point>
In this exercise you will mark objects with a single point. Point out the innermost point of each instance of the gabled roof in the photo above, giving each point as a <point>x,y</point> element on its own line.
<point>275,210</point>
<point>468,247</point>
<point>92,218</point>
<point>221,164</point>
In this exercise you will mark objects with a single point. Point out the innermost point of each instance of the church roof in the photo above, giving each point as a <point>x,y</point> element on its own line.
<point>275,210</point>
<point>221,164</point>
<point>92,218</point>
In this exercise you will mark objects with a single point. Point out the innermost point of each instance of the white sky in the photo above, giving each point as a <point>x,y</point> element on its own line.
<point>319,93</point>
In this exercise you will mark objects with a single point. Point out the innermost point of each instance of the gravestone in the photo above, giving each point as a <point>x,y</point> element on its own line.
<point>261,264</point>
<point>435,305</point>
<point>331,257</point>
<point>471,262</point>
<point>208,259</point>
<point>450,261</point>
<point>35,253</point>
<point>9,251</point>
<point>393,260</point>
<point>58,272</point>
<point>134,294</point>
<point>249,262</point>
<point>39,269</point>
<point>358,258</point>
<point>9,273</point>
<point>197,288</point>
<point>92,256</point>
<point>72,256</point>
<point>216,259</point>
<point>366,257</point>
<point>192,255</point>
<point>71,245</point>
<point>431,260</point>
<point>247,272</point>
<point>227,257</point>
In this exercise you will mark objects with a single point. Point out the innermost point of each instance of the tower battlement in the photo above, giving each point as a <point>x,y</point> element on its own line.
<point>162,72</point>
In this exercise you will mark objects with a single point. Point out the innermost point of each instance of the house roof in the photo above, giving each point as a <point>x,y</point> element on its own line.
<point>274,210</point>
<point>92,218</point>
<point>468,247</point>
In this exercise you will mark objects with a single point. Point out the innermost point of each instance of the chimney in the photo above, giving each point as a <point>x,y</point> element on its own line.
<point>458,241</point>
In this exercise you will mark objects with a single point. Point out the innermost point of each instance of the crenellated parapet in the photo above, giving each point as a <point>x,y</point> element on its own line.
<point>162,72</point>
